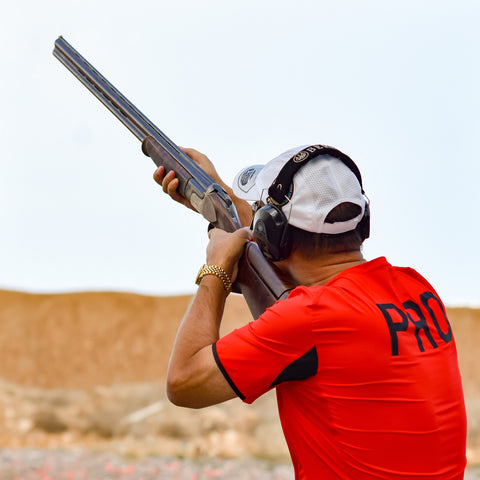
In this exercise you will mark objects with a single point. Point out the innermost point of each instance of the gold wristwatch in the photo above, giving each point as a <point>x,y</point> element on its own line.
<point>218,272</point>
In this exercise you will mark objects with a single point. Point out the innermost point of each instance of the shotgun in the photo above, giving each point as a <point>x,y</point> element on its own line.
<point>258,280</point>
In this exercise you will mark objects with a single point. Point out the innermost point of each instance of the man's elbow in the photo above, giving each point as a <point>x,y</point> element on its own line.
<point>180,393</point>
<point>174,389</point>
<point>175,396</point>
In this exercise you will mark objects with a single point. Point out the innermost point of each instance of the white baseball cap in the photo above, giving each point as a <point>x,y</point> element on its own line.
<point>318,186</point>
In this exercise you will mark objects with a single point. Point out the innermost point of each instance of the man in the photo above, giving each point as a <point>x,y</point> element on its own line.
<point>361,353</point>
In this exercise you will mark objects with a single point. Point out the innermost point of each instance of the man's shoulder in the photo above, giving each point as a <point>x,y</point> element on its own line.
<point>378,269</point>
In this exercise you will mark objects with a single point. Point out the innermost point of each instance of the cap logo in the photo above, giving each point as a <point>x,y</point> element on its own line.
<point>246,176</point>
<point>247,179</point>
<point>301,156</point>
<point>305,153</point>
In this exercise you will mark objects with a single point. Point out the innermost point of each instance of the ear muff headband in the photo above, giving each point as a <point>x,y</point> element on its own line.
<point>282,187</point>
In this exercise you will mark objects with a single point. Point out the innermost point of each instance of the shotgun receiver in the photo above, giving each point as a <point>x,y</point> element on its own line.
<point>258,280</point>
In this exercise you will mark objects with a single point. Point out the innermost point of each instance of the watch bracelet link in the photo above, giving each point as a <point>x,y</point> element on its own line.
<point>218,272</point>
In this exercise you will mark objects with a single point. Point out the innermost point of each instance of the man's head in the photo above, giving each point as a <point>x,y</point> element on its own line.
<point>310,197</point>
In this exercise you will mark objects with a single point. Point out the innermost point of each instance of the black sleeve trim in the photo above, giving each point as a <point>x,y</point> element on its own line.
<point>225,374</point>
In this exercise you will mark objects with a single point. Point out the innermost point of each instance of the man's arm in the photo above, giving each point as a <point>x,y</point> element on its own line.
<point>194,380</point>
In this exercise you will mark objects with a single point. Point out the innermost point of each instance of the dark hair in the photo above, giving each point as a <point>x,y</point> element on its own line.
<point>314,244</point>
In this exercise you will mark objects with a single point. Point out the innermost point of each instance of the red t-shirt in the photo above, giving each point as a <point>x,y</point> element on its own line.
<point>366,373</point>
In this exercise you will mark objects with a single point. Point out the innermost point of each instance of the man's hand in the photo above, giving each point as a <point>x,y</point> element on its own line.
<point>170,185</point>
<point>225,249</point>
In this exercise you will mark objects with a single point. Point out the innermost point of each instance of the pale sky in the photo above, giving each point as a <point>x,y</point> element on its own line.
<point>395,85</point>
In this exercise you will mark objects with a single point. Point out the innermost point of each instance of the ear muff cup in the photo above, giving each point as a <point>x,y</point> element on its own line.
<point>271,232</point>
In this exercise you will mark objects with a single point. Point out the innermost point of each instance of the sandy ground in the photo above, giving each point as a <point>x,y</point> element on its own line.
<point>86,371</point>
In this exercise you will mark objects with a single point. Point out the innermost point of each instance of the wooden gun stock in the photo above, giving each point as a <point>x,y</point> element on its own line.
<point>259,281</point>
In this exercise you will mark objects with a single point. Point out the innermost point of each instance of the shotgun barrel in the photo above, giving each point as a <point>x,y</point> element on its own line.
<point>258,279</point>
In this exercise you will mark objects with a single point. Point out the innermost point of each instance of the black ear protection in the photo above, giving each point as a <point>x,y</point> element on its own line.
<point>270,225</point>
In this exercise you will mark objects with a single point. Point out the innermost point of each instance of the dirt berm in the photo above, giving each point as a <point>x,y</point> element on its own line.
<point>88,370</point>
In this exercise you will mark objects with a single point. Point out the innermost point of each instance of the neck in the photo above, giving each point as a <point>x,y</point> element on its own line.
<point>319,270</point>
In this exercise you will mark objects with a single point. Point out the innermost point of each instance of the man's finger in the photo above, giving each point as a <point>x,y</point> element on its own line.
<point>172,187</point>
<point>158,174</point>
<point>167,179</point>
<point>212,231</point>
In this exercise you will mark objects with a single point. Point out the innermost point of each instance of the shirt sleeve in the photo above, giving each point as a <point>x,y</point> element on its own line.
<point>276,347</point>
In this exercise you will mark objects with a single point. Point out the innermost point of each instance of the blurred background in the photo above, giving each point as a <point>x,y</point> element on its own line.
<point>98,265</point>
<point>393,85</point>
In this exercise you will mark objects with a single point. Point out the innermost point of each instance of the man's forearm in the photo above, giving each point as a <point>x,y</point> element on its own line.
<point>201,322</point>
<point>193,378</point>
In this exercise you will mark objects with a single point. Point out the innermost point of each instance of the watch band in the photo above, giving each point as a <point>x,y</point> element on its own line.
<point>218,272</point>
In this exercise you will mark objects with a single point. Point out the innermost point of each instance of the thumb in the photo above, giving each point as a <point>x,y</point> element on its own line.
<point>244,233</point>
